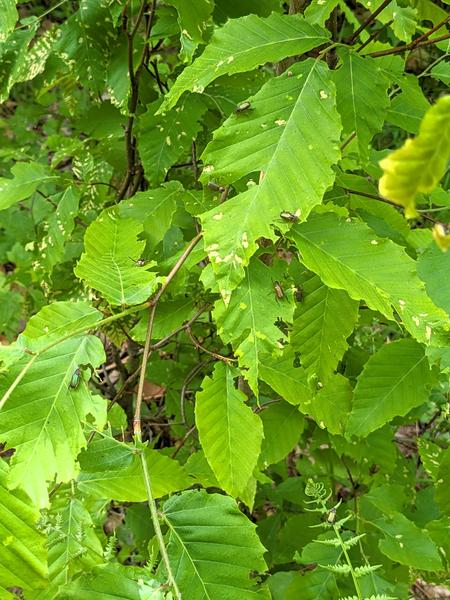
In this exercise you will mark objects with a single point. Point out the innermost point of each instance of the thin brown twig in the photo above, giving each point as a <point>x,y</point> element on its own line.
<point>375,34</point>
<point>134,76</point>
<point>147,350</point>
<point>189,377</point>
<point>427,34</point>
<point>186,325</point>
<point>183,441</point>
<point>407,47</point>
<point>385,200</point>
<point>369,20</point>
<point>225,359</point>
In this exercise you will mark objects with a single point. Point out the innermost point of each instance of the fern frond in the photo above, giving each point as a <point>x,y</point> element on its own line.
<point>333,542</point>
<point>344,520</point>
<point>365,570</point>
<point>353,541</point>
<point>339,569</point>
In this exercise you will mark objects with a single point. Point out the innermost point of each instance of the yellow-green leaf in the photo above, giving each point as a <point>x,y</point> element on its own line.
<point>421,162</point>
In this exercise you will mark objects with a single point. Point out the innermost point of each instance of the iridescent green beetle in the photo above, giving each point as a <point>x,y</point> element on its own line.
<point>76,379</point>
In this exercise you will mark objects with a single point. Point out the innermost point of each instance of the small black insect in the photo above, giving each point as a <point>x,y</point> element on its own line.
<point>298,294</point>
<point>215,187</point>
<point>290,217</point>
<point>242,107</point>
<point>140,262</point>
<point>279,292</point>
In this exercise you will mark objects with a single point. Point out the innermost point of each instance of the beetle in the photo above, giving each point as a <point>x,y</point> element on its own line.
<point>75,379</point>
<point>139,262</point>
<point>242,107</point>
<point>298,294</point>
<point>331,516</point>
<point>290,217</point>
<point>279,292</point>
<point>215,187</point>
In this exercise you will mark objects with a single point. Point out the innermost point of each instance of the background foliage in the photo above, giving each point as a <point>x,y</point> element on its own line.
<point>224,299</point>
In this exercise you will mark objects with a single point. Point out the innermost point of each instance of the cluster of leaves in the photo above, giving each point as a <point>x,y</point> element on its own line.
<point>224,273</point>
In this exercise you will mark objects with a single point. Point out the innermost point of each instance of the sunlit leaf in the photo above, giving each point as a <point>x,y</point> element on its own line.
<point>23,559</point>
<point>421,162</point>
<point>243,44</point>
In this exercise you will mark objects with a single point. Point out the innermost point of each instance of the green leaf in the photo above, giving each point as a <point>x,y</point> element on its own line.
<point>362,98</point>
<point>60,227</point>
<point>408,108</point>
<point>47,445</point>
<point>323,321</point>
<point>108,263</point>
<point>290,382</point>
<point>394,380</point>
<point>432,262</point>
<point>73,544</point>
<point>13,57</point>
<point>421,162</point>
<point>212,547</point>
<point>230,432</point>
<point>311,586</point>
<point>243,44</point>
<point>193,19</point>
<point>347,255</point>
<point>23,559</point>
<point>164,139</point>
<point>278,128</point>
<point>318,11</point>
<point>442,487</point>
<point>85,41</point>
<point>247,320</point>
<point>283,425</point>
<point>408,545</point>
<point>441,72</point>
<point>113,581</point>
<point>154,209</point>
<point>113,470</point>
<point>57,321</point>
<point>8,18</point>
<point>27,177</point>
<point>332,404</point>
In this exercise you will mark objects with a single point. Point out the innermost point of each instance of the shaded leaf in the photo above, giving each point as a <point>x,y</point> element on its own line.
<point>113,580</point>
<point>165,139</point>
<point>358,80</point>
<point>212,547</point>
<point>108,263</point>
<point>283,425</point>
<point>27,177</point>
<point>394,380</point>
<point>193,19</point>
<point>322,323</point>
<point>332,404</point>
<point>230,432</point>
